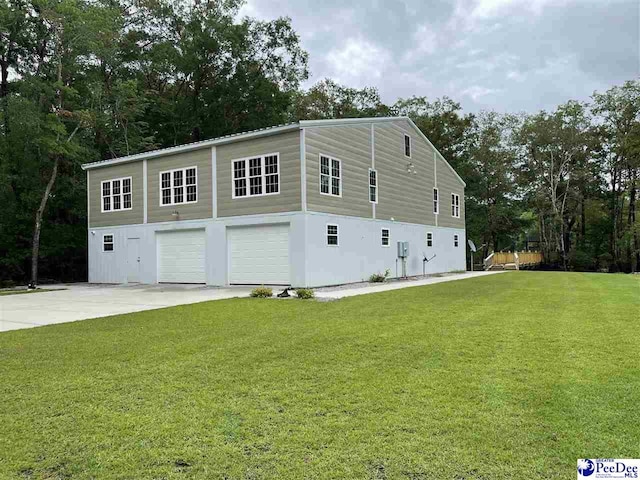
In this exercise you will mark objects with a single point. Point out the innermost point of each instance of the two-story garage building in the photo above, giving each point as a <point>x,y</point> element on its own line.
<point>312,203</point>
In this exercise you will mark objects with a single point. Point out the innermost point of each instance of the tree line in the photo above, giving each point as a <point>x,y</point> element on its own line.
<point>84,80</point>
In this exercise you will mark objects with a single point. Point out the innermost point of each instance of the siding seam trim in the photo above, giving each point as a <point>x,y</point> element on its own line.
<point>214,185</point>
<point>89,202</point>
<point>373,167</point>
<point>435,182</point>
<point>303,170</point>
<point>144,191</point>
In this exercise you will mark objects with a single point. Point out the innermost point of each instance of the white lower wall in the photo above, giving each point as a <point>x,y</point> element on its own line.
<point>112,267</point>
<point>313,263</point>
<point>360,252</point>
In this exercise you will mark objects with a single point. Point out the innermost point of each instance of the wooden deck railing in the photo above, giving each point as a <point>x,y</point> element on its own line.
<point>512,259</point>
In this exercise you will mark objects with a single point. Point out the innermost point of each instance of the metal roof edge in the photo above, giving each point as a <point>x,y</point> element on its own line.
<point>193,146</point>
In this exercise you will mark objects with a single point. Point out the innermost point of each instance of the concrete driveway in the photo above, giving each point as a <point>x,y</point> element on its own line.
<point>68,303</point>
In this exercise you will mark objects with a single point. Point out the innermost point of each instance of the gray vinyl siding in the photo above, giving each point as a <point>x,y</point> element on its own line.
<point>189,211</point>
<point>448,183</point>
<point>403,196</point>
<point>351,144</point>
<point>287,145</point>
<point>125,217</point>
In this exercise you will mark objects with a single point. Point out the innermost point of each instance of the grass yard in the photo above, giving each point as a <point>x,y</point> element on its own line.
<point>514,375</point>
<point>25,291</point>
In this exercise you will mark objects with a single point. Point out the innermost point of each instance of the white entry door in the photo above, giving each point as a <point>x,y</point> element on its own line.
<point>133,260</point>
<point>259,254</point>
<point>181,256</point>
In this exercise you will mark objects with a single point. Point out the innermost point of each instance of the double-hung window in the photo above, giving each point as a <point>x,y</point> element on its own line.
<point>330,176</point>
<point>385,237</point>
<point>407,146</point>
<point>179,186</point>
<point>429,239</point>
<point>455,205</point>
<point>373,186</point>
<point>256,176</point>
<point>107,243</point>
<point>455,240</point>
<point>436,203</point>
<point>116,195</point>
<point>332,235</point>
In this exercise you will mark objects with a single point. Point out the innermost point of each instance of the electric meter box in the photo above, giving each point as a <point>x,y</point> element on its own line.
<point>403,249</point>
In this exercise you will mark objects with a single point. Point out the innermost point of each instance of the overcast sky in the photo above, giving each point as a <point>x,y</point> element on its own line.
<point>506,55</point>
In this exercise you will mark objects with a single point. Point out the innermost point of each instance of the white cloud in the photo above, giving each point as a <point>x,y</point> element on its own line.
<point>510,55</point>
<point>492,8</point>
<point>358,62</point>
<point>476,92</point>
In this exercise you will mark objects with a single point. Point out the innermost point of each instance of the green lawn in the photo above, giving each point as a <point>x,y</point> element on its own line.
<point>508,376</point>
<point>22,292</point>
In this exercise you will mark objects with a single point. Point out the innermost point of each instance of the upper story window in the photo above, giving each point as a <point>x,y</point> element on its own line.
<point>373,186</point>
<point>179,186</point>
<point>330,176</point>
<point>429,239</point>
<point>332,235</point>
<point>455,205</point>
<point>107,243</point>
<point>256,176</point>
<point>385,237</point>
<point>436,203</point>
<point>455,240</point>
<point>407,146</point>
<point>116,195</point>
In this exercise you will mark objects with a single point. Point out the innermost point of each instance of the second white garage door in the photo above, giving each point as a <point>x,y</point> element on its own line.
<point>259,255</point>
<point>181,256</point>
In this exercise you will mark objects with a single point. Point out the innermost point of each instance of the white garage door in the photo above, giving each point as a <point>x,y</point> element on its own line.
<point>181,256</point>
<point>259,255</point>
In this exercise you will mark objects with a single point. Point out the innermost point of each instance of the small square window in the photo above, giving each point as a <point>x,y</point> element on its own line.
<point>455,240</point>
<point>332,235</point>
<point>429,239</point>
<point>107,243</point>
<point>385,237</point>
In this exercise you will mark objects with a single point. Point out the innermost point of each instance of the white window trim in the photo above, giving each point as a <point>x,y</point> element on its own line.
<point>326,235</point>
<point>121,195</point>
<point>388,245</point>
<point>113,242</point>
<point>404,145</point>
<point>436,204</point>
<point>330,175</point>
<point>184,185</point>
<point>263,176</point>
<point>369,189</point>
<point>427,240</point>
<point>456,239</point>
<point>455,208</point>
